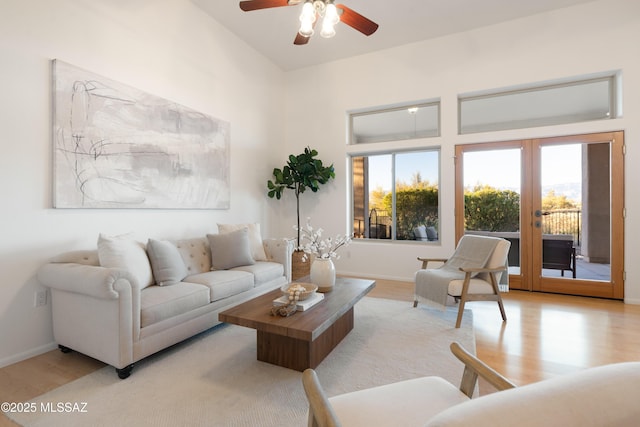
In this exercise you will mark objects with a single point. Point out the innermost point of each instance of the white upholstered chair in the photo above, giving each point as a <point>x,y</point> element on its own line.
<point>603,396</point>
<point>405,403</point>
<point>473,273</point>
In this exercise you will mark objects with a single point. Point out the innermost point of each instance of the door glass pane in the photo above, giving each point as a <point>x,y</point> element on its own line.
<point>492,197</point>
<point>576,205</point>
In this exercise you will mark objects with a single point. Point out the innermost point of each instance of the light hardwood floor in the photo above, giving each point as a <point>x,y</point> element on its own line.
<point>545,335</point>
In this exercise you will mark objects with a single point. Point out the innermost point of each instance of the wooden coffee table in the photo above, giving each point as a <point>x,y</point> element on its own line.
<point>304,339</point>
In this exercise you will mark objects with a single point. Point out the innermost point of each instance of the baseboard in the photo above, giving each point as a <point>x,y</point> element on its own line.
<point>632,301</point>
<point>371,276</point>
<point>27,354</point>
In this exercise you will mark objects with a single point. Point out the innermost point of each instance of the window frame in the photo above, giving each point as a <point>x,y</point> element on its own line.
<point>393,153</point>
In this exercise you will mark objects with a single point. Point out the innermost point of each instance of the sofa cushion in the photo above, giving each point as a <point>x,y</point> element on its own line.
<point>255,238</point>
<point>223,283</point>
<point>263,271</point>
<point>230,250</point>
<point>158,303</point>
<point>195,254</point>
<point>166,262</point>
<point>125,253</point>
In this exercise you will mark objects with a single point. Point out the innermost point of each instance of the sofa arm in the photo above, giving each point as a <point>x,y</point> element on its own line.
<point>280,251</point>
<point>98,282</point>
<point>95,310</point>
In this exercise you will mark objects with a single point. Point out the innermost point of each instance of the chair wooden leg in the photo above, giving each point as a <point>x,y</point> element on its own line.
<point>502,312</point>
<point>496,290</point>
<point>460,313</point>
<point>463,298</point>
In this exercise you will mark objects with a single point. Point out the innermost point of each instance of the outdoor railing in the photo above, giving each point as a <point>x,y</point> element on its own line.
<point>379,224</point>
<point>555,221</point>
<point>563,221</point>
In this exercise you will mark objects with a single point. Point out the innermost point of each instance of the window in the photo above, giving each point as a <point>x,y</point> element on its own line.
<point>573,102</point>
<point>410,121</point>
<point>395,195</point>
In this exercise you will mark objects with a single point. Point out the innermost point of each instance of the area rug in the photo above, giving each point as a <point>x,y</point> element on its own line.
<point>214,378</point>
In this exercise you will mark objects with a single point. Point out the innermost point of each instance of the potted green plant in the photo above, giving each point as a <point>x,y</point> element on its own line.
<point>301,172</point>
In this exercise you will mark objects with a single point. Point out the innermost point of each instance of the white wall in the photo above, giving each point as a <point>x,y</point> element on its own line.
<point>168,48</point>
<point>171,49</point>
<point>591,38</point>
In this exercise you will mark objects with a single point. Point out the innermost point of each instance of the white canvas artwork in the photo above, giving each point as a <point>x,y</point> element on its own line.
<point>118,147</point>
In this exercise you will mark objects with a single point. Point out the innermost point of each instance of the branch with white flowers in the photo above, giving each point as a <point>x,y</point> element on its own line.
<point>312,243</point>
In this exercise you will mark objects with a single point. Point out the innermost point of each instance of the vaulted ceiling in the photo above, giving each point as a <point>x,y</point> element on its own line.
<point>272,31</point>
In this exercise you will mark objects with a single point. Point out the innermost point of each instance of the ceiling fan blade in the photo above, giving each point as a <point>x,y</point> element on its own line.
<point>249,5</point>
<point>357,21</point>
<point>301,40</point>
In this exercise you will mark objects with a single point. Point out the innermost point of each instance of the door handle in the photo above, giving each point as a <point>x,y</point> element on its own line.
<point>539,213</point>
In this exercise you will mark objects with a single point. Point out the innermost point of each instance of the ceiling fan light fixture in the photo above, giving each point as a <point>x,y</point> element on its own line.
<point>329,21</point>
<point>307,19</point>
<point>312,10</point>
<point>327,29</point>
<point>306,29</point>
<point>331,13</point>
<point>308,12</point>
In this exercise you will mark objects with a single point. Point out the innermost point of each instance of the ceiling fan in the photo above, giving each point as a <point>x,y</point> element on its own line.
<point>330,13</point>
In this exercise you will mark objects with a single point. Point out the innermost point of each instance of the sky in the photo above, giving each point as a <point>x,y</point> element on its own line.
<point>425,162</point>
<point>561,164</point>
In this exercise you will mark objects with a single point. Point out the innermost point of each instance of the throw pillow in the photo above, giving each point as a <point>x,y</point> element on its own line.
<point>230,250</point>
<point>255,238</point>
<point>166,262</point>
<point>127,254</point>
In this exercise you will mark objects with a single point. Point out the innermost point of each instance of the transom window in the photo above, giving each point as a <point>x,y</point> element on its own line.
<point>395,123</point>
<point>538,105</point>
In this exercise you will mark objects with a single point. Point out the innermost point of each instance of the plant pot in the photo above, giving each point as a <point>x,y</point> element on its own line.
<point>298,267</point>
<point>323,274</point>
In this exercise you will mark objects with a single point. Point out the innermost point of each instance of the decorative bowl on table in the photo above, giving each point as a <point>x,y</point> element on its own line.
<point>301,290</point>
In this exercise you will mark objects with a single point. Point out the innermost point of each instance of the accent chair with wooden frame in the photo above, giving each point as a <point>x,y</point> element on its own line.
<point>403,403</point>
<point>474,277</point>
<point>603,396</point>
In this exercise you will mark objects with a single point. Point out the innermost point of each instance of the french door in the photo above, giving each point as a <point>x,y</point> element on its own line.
<point>560,203</point>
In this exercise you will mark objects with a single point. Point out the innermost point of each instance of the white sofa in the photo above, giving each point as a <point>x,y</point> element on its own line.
<point>126,300</point>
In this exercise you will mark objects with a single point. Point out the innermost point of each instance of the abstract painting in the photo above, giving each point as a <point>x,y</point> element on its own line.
<point>119,147</point>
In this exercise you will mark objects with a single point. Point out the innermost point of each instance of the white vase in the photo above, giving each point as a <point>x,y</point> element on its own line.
<point>323,274</point>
